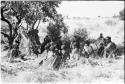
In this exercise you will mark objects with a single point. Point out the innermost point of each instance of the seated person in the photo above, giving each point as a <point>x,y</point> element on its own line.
<point>101,36</point>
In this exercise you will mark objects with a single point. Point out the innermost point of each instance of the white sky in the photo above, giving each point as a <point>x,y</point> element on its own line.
<point>90,8</point>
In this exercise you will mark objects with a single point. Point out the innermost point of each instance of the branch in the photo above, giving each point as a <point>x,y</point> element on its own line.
<point>5,35</point>
<point>4,7</point>
<point>7,21</point>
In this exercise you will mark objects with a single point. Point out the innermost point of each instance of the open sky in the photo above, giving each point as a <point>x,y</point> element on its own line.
<point>90,8</point>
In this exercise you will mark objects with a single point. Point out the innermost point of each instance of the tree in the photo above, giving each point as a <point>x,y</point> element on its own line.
<point>30,11</point>
<point>15,12</point>
<point>33,12</point>
<point>41,11</point>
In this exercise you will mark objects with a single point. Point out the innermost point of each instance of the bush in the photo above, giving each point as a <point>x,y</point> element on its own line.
<point>110,23</point>
<point>82,34</point>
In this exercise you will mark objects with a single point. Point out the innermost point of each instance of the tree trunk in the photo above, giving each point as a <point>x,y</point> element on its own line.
<point>10,43</point>
<point>10,28</point>
<point>12,34</point>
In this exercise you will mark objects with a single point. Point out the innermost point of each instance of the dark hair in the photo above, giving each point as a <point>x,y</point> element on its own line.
<point>87,42</point>
<point>108,37</point>
<point>101,34</point>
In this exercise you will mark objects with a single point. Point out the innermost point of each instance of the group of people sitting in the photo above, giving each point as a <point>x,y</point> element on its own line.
<point>108,46</point>
<point>104,46</point>
<point>63,49</point>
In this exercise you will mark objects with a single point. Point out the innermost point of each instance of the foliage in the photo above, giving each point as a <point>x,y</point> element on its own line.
<point>82,33</point>
<point>16,12</point>
<point>55,28</point>
<point>30,11</point>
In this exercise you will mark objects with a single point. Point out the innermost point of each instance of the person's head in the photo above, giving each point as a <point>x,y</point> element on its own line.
<point>101,35</point>
<point>108,38</point>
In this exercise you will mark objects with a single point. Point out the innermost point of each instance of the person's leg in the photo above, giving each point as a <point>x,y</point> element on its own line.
<point>112,55</point>
<point>105,53</point>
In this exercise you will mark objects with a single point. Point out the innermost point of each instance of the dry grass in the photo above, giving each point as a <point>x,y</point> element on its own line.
<point>82,71</point>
